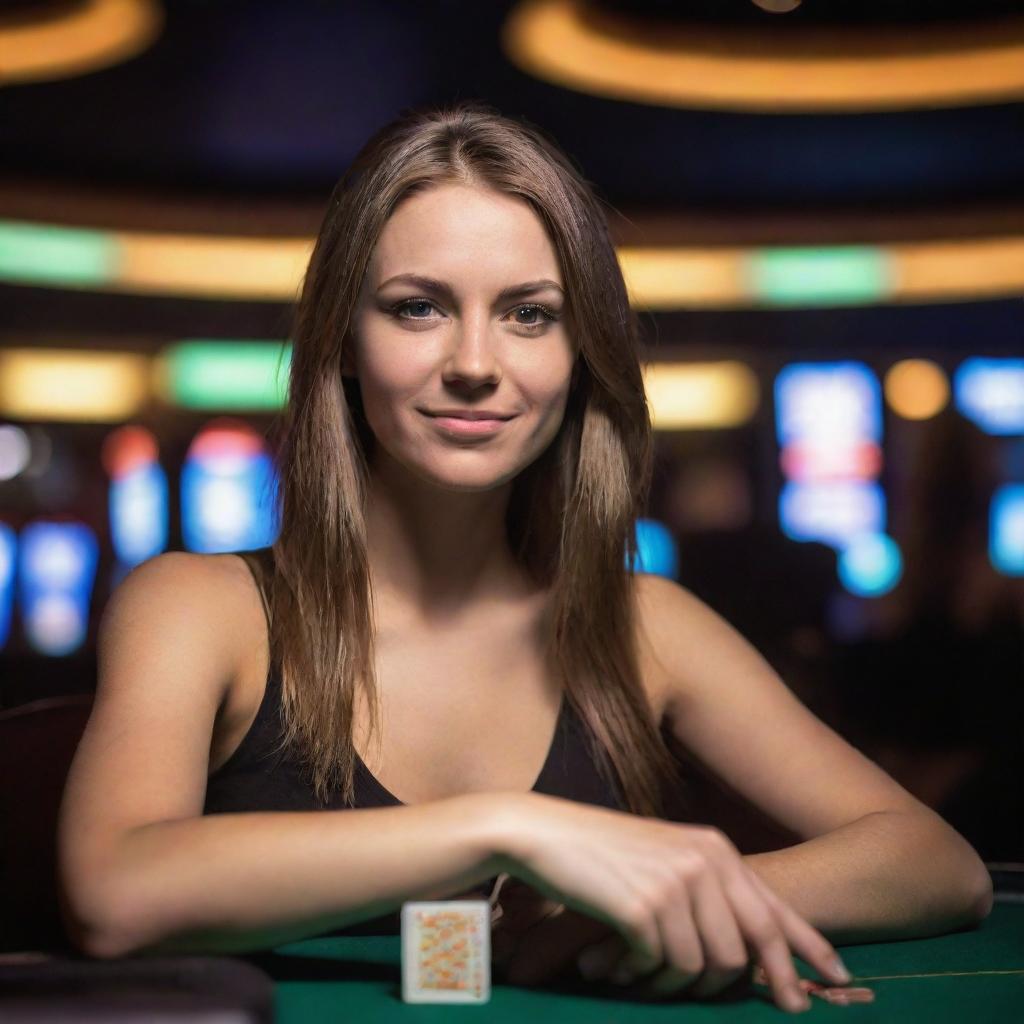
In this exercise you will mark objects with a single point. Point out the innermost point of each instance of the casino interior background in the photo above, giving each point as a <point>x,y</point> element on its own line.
<point>819,209</point>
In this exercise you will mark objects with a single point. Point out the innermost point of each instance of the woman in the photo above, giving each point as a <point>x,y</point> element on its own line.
<point>458,592</point>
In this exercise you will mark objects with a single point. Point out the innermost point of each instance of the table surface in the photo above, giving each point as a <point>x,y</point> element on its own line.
<point>976,975</point>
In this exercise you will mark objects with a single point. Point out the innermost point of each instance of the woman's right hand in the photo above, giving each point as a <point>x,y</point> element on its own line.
<point>688,908</point>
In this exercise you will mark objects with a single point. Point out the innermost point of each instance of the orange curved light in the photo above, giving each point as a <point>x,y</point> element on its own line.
<point>800,69</point>
<point>92,35</point>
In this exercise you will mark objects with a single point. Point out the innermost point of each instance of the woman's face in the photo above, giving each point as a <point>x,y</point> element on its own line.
<point>462,312</point>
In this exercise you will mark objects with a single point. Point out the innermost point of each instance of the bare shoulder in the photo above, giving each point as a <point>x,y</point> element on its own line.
<point>173,642</point>
<point>668,620</point>
<point>207,606</point>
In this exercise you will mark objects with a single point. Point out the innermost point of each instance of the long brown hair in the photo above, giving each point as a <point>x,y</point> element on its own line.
<point>571,513</point>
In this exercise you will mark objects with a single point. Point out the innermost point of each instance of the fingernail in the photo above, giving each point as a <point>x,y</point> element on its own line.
<point>797,1000</point>
<point>839,971</point>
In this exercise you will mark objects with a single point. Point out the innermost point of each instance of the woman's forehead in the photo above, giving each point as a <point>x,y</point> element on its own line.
<point>459,230</point>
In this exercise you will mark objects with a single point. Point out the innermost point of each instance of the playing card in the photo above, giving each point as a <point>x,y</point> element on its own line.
<point>446,951</point>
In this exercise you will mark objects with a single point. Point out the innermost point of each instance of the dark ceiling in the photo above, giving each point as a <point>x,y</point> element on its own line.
<point>276,98</point>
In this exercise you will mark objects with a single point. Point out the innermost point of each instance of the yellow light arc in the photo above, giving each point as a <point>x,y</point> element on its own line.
<point>659,278</point>
<point>92,35</point>
<point>799,70</point>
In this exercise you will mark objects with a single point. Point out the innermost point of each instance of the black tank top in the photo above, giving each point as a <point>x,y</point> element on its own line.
<point>259,777</point>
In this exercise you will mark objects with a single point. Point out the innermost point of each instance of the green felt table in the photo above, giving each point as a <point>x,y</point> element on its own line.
<point>975,975</point>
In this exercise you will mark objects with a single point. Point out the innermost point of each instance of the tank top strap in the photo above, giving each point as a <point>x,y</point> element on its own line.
<point>261,565</point>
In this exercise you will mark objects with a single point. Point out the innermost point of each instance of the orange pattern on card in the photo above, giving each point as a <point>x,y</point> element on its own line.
<point>450,952</point>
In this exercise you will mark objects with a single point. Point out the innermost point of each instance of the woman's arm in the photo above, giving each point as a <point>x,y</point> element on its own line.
<point>889,875</point>
<point>141,868</point>
<point>875,862</point>
<point>243,882</point>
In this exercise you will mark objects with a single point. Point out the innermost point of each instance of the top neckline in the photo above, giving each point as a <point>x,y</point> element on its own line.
<point>385,792</point>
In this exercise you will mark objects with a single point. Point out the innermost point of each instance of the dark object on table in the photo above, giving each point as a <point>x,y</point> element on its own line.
<point>166,989</point>
<point>37,743</point>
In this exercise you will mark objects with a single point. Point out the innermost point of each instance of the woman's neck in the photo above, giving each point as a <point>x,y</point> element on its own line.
<point>439,553</point>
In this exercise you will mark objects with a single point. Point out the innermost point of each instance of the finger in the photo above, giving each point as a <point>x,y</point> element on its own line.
<point>725,952</point>
<point>804,938</point>
<point>684,951</point>
<point>764,935</point>
<point>640,928</point>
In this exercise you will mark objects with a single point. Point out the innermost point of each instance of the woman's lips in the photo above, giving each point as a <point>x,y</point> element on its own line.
<point>468,428</point>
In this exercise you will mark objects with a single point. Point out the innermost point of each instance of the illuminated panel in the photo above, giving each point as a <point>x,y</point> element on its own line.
<point>829,427</point>
<point>208,266</point>
<point>228,490</point>
<point>1006,530</point>
<point>684,396</point>
<point>8,562</point>
<point>15,452</point>
<point>870,565</point>
<point>990,392</point>
<point>697,66</point>
<point>828,403</point>
<point>44,254</point>
<point>657,552</point>
<point>225,374</point>
<point>138,502</point>
<point>65,384</point>
<point>833,513</point>
<point>916,389</point>
<point>657,277</point>
<point>86,36</point>
<point>56,575</point>
<point>819,276</point>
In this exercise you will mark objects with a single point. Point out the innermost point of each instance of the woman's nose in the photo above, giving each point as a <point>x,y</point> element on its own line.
<point>472,356</point>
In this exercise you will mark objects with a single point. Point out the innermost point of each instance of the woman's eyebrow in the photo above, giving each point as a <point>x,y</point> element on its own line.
<point>440,288</point>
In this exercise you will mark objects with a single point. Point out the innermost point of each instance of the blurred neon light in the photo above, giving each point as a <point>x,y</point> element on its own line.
<point>1006,530</point>
<point>127,449</point>
<point>833,512</point>
<point>990,392</point>
<point>838,276</point>
<point>87,36</point>
<point>685,396</point>
<point>803,69</point>
<point>149,263</point>
<point>916,389</point>
<point>658,277</point>
<point>138,498</point>
<point>829,403</point>
<point>870,564</point>
<point>806,460</point>
<point>228,490</point>
<point>47,254</point>
<point>200,374</point>
<point>66,384</point>
<point>657,551</point>
<point>56,575</point>
<point>8,564</point>
<point>15,451</point>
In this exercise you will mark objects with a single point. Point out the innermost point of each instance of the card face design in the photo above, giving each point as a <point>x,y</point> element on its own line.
<point>446,951</point>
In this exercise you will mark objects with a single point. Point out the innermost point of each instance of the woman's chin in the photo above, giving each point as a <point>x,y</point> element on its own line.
<point>465,481</point>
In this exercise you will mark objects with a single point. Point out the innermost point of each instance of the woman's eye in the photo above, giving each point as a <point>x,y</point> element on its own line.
<point>545,314</point>
<point>410,304</point>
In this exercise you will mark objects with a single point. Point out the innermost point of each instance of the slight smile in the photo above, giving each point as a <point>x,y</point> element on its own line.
<point>468,424</point>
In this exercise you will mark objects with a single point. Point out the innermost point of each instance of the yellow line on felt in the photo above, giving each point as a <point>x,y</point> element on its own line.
<point>936,974</point>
